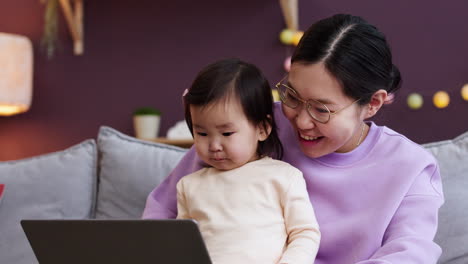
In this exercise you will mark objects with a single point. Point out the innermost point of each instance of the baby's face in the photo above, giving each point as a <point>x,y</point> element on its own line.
<point>223,136</point>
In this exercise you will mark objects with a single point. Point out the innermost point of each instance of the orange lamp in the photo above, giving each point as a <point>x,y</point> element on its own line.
<point>16,68</point>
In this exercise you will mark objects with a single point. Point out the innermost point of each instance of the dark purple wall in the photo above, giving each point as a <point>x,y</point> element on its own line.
<point>146,52</point>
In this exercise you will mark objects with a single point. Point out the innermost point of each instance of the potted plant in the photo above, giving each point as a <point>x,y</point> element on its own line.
<point>146,122</point>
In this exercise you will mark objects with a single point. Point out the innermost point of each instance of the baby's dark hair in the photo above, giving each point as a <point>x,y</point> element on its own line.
<point>233,77</point>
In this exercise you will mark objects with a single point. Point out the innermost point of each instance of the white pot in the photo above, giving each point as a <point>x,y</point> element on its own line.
<point>146,126</point>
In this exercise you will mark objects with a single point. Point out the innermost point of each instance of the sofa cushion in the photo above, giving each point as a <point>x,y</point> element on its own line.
<point>60,185</point>
<point>452,235</point>
<point>129,170</point>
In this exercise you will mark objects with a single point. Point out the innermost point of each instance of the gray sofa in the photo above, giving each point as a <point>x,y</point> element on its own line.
<point>110,179</point>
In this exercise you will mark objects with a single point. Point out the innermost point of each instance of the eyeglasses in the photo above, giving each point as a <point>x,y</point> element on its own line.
<point>317,110</point>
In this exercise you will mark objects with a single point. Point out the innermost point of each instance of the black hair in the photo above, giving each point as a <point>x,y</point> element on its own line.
<point>355,52</point>
<point>233,77</point>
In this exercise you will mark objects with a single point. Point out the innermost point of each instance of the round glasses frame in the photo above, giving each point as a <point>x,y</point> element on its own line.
<point>283,88</point>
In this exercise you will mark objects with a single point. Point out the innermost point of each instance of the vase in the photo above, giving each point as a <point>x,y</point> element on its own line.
<point>146,126</point>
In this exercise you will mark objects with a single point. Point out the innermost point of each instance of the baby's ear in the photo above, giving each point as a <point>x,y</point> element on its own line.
<point>264,130</point>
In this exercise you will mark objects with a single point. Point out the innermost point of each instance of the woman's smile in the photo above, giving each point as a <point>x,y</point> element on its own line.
<point>309,141</point>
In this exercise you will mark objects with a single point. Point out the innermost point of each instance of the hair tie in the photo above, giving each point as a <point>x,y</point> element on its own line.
<point>389,99</point>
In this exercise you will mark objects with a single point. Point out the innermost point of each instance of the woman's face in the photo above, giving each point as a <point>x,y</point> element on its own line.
<point>343,130</point>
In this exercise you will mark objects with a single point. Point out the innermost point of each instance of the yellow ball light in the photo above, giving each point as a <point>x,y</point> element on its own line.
<point>286,36</point>
<point>275,94</point>
<point>415,101</point>
<point>297,37</point>
<point>464,92</point>
<point>441,99</point>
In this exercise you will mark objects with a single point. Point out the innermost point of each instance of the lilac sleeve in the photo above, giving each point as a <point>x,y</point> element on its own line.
<point>162,201</point>
<point>409,236</point>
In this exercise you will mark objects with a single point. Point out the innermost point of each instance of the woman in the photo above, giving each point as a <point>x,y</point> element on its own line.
<point>376,194</point>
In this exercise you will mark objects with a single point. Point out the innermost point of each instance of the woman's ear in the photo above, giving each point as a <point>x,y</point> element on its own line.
<point>264,130</point>
<point>376,102</point>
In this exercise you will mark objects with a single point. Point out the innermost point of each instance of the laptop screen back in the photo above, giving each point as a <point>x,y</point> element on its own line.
<point>116,241</point>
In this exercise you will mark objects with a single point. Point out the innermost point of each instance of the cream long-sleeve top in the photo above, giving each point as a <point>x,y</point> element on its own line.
<point>258,213</point>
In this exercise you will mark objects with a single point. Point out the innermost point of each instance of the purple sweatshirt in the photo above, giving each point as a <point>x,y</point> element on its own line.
<point>377,204</point>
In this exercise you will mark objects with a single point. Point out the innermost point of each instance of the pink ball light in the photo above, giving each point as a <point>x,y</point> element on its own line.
<point>287,64</point>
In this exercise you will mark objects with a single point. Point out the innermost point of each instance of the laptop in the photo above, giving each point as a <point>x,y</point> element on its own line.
<point>116,241</point>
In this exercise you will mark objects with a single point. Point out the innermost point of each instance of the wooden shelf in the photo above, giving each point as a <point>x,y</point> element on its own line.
<point>183,143</point>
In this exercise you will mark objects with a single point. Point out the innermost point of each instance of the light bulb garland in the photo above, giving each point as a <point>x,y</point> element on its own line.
<point>291,35</point>
<point>464,92</point>
<point>415,101</point>
<point>440,99</point>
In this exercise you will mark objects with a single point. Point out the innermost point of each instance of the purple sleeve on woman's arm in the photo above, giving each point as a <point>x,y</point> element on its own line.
<point>162,201</point>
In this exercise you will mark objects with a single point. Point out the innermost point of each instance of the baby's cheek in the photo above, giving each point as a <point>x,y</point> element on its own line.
<point>201,154</point>
<point>235,152</point>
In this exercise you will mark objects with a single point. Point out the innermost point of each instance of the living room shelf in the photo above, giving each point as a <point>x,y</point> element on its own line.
<point>183,143</point>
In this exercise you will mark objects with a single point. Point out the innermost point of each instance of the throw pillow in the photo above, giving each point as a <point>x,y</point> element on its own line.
<point>129,170</point>
<point>58,185</point>
<point>452,235</point>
